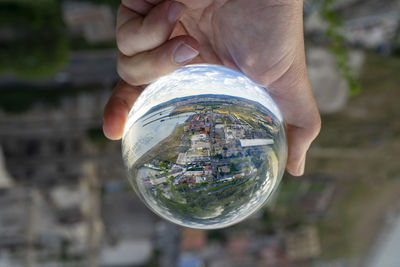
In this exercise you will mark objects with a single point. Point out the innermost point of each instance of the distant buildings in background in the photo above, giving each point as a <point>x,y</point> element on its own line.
<point>366,24</point>
<point>53,165</point>
<point>92,68</point>
<point>64,198</point>
<point>47,145</point>
<point>376,31</point>
<point>6,181</point>
<point>372,24</point>
<point>129,228</point>
<point>303,244</point>
<point>294,248</point>
<point>95,23</point>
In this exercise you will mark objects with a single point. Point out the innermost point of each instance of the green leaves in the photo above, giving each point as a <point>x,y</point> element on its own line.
<point>338,42</point>
<point>37,43</point>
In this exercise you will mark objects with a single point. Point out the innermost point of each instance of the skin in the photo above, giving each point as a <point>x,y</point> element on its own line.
<point>262,38</point>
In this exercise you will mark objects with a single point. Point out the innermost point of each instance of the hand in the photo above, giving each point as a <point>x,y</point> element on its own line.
<point>262,38</point>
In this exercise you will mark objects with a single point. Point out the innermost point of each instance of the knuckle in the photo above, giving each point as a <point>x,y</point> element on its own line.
<point>122,41</point>
<point>127,76</point>
<point>126,41</point>
<point>128,37</point>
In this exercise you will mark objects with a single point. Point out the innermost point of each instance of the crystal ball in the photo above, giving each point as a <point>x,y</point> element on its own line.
<point>204,147</point>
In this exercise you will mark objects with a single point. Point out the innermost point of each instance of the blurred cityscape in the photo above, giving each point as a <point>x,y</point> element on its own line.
<point>64,197</point>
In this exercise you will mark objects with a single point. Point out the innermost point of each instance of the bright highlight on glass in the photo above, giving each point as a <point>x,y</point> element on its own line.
<point>204,147</point>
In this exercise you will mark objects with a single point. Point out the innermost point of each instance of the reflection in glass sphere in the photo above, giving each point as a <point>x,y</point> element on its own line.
<point>204,146</point>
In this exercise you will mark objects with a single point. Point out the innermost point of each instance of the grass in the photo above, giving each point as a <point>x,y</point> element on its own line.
<point>365,178</point>
<point>336,229</point>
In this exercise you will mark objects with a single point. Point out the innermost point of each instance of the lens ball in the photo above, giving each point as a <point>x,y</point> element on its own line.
<point>204,147</point>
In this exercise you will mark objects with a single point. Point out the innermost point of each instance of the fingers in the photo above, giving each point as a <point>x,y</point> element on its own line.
<point>136,33</point>
<point>293,95</point>
<point>147,66</point>
<point>140,6</point>
<point>117,108</point>
<point>125,14</point>
<point>146,51</point>
<point>144,28</point>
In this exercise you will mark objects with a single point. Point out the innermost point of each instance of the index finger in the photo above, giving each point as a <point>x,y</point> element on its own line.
<point>137,33</point>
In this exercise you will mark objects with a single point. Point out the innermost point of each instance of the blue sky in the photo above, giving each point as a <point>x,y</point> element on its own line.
<point>203,79</point>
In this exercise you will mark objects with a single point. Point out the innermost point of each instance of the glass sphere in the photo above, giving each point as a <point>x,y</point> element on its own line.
<point>204,146</point>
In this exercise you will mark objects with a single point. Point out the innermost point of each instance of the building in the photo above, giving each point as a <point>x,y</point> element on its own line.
<point>193,239</point>
<point>95,23</point>
<point>302,244</point>
<point>369,24</point>
<point>6,181</point>
<point>53,143</point>
<point>129,229</point>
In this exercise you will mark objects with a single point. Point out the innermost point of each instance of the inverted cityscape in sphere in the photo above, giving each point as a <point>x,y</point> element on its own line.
<point>204,147</point>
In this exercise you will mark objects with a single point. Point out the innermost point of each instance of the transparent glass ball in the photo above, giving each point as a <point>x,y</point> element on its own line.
<point>204,147</point>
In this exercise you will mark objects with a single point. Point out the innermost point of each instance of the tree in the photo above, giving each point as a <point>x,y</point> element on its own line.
<point>111,3</point>
<point>338,42</point>
<point>36,44</point>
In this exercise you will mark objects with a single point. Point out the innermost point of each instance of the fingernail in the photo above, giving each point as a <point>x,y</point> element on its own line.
<point>301,166</point>
<point>175,11</point>
<point>185,53</point>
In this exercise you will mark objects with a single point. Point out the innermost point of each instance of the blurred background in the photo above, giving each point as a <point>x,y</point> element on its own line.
<point>64,198</point>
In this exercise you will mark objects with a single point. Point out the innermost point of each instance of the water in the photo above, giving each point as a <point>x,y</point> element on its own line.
<point>204,147</point>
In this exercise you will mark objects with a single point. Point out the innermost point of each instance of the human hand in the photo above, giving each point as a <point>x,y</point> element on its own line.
<point>262,38</point>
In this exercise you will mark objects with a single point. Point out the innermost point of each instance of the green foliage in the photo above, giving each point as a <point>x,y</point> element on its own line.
<point>268,222</point>
<point>154,260</point>
<point>338,42</point>
<point>18,100</point>
<point>29,2</point>
<point>217,235</point>
<point>111,3</point>
<point>79,43</point>
<point>37,43</point>
<point>287,211</point>
<point>396,46</point>
<point>97,137</point>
